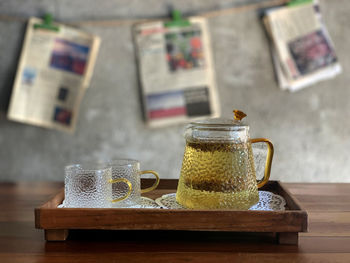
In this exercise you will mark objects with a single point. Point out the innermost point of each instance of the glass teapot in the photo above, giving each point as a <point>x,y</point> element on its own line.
<point>218,166</point>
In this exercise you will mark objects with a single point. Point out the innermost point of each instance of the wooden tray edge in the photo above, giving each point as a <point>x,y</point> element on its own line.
<point>288,196</point>
<point>49,208</point>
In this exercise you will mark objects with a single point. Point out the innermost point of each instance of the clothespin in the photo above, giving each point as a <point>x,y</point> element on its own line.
<point>177,21</point>
<point>299,2</point>
<point>47,24</point>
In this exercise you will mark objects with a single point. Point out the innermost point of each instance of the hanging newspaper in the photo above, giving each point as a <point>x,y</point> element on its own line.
<point>53,73</point>
<point>302,51</point>
<point>176,72</point>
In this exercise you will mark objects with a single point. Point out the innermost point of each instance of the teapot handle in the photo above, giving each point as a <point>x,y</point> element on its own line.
<point>268,163</point>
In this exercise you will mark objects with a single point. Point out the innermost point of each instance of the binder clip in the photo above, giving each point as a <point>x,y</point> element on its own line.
<point>177,21</point>
<point>47,24</point>
<point>299,2</point>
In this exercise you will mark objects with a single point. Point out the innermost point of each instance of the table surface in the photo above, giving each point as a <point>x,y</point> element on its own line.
<point>328,239</point>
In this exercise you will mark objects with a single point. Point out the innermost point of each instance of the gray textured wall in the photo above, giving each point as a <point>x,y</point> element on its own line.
<point>310,128</point>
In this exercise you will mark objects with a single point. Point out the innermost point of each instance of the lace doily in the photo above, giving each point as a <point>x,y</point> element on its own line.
<point>145,203</point>
<point>267,202</point>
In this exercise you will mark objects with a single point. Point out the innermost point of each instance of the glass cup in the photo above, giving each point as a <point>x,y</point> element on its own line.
<point>130,170</point>
<point>90,186</point>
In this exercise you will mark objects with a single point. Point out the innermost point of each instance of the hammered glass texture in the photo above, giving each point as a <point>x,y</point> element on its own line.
<point>217,175</point>
<point>129,170</point>
<point>88,188</point>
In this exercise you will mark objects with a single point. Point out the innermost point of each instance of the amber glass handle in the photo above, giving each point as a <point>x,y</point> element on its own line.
<point>154,186</point>
<point>124,181</point>
<point>268,163</point>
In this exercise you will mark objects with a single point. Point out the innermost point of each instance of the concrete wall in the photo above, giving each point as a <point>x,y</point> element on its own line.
<point>310,128</point>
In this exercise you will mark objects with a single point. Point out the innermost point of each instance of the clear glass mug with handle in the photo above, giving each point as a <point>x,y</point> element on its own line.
<point>129,169</point>
<point>90,186</point>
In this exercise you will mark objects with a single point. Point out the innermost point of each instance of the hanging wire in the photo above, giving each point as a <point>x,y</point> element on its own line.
<point>121,22</point>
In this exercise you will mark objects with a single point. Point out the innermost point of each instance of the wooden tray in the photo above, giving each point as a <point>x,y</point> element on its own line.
<point>285,225</point>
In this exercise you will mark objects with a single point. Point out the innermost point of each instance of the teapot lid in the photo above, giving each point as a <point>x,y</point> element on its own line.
<point>219,129</point>
<point>223,123</point>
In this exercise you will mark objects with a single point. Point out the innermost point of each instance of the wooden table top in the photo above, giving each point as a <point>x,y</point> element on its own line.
<point>328,239</point>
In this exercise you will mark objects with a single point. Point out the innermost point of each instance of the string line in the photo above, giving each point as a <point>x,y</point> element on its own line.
<point>122,22</point>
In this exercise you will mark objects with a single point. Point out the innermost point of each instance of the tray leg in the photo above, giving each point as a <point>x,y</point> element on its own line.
<point>56,234</point>
<point>287,238</point>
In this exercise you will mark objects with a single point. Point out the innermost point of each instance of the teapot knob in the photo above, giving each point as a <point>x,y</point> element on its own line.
<point>238,115</point>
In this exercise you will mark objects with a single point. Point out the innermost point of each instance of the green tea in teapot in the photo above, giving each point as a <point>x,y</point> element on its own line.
<point>218,166</point>
<point>218,175</point>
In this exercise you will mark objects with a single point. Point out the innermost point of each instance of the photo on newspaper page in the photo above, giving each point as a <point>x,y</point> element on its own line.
<point>303,51</point>
<point>176,72</point>
<point>54,71</point>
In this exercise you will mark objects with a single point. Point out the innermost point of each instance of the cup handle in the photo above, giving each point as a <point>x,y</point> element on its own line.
<point>154,186</point>
<point>268,163</point>
<point>124,181</point>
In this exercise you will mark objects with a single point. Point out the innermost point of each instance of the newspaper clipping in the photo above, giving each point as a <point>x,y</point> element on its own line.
<point>303,52</point>
<point>53,73</point>
<point>176,72</point>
